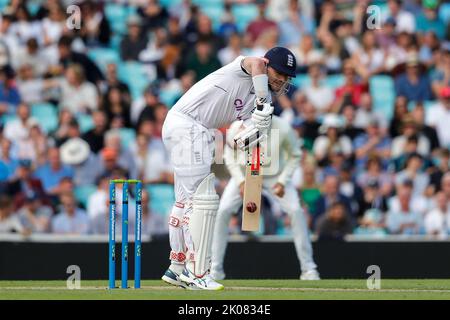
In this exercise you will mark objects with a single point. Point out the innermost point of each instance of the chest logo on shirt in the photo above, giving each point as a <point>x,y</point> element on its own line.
<point>239,105</point>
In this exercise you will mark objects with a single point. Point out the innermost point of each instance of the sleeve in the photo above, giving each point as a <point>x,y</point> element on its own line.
<point>291,144</point>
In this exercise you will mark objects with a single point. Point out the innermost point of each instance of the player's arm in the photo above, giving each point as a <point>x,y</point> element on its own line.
<point>257,69</point>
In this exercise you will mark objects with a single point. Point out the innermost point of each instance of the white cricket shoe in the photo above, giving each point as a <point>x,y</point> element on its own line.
<point>310,275</point>
<point>218,274</point>
<point>204,283</point>
<point>173,278</point>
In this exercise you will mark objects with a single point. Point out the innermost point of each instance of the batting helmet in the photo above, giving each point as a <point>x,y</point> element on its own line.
<point>282,60</point>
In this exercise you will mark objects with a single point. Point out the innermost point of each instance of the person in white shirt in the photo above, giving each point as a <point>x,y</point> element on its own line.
<point>437,221</point>
<point>321,96</point>
<point>404,20</point>
<point>277,184</point>
<point>78,95</point>
<point>19,129</point>
<point>240,90</point>
<point>71,220</point>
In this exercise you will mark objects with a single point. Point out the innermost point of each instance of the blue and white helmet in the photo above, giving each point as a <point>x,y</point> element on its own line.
<point>282,60</point>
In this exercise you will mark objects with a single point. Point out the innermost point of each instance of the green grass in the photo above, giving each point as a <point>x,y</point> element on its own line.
<point>234,289</point>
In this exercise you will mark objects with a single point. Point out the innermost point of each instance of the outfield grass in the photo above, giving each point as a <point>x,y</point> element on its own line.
<point>234,289</point>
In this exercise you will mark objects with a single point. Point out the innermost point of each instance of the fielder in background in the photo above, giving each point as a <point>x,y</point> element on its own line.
<point>282,156</point>
<point>240,90</point>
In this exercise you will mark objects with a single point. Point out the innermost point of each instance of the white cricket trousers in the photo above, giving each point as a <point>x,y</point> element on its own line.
<point>290,203</point>
<point>191,148</point>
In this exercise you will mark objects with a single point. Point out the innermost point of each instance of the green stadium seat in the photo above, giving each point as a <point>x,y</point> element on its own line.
<point>444,12</point>
<point>85,121</point>
<point>383,94</point>
<point>46,115</point>
<point>214,12</point>
<point>133,73</point>
<point>244,14</point>
<point>127,136</point>
<point>103,56</point>
<point>334,80</point>
<point>168,97</point>
<point>301,81</point>
<point>117,16</point>
<point>7,118</point>
<point>82,194</point>
<point>162,198</point>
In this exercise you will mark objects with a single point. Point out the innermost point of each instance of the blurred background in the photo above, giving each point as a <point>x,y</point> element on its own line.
<point>84,92</point>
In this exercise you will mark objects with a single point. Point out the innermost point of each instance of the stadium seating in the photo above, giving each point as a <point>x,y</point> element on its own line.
<point>244,14</point>
<point>46,115</point>
<point>117,15</point>
<point>85,121</point>
<point>127,136</point>
<point>103,56</point>
<point>134,74</point>
<point>162,198</point>
<point>383,103</point>
<point>82,194</point>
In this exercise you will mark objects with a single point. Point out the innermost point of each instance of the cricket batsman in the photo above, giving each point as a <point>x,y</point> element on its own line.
<point>240,90</point>
<point>284,160</point>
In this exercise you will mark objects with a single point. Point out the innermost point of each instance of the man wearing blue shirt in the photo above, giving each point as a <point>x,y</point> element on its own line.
<point>52,172</point>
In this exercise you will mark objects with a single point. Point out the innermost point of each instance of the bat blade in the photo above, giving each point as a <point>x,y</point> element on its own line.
<point>252,193</point>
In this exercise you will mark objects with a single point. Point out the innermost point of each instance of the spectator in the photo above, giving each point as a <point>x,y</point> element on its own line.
<point>370,57</point>
<point>202,62</point>
<point>124,159</point>
<point>70,220</point>
<point>404,218</point>
<point>96,201</point>
<point>306,54</point>
<point>428,19</point>
<point>295,26</point>
<point>228,25</point>
<point>374,172</point>
<point>445,184</point>
<point>330,138</point>
<point>438,117</point>
<point>351,91</point>
<point>34,215</point>
<point>36,59</point>
<point>160,115</point>
<point>405,189</point>
<point>350,129</point>
<point>206,33</point>
<point>53,172</point>
<point>372,223</point>
<point>108,161</point>
<point>31,89</point>
<point>95,137</point>
<point>400,109</point>
<point>23,27</point>
<point>437,221</point>
<point>365,112</point>
<point>309,190</point>
<point>95,28</point>
<point>409,128</point>
<point>258,26</point>
<point>413,172</point>
<point>72,131</point>
<point>34,147</point>
<point>372,142</point>
<point>333,53</point>
<point>19,129</point>
<point>69,57</point>
<point>335,224</point>
<point>116,108</point>
<point>144,108</point>
<point>330,195</point>
<point>53,25</point>
<point>372,199</point>
<point>413,84</point>
<point>8,163</point>
<point>440,76</point>
<point>9,93</point>
<point>134,42</point>
<point>232,50</point>
<point>404,20</point>
<point>78,95</point>
<point>153,15</point>
<point>112,80</point>
<point>65,122</point>
<point>76,153</point>
<point>320,95</point>
<point>170,67</point>
<point>442,165</point>
<point>151,160</point>
<point>418,114</point>
<point>9,221</point>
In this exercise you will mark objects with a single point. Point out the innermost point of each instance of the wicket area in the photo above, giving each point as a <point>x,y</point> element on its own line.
<point>137,233</point>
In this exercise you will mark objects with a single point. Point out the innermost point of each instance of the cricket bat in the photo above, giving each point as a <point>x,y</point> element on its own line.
<point>252,190</point>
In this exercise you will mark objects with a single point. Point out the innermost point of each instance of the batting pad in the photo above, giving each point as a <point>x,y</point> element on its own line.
<point>201,224</point>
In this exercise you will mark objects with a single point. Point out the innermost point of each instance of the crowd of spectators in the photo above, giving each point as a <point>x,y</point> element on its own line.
<point>365,169</point>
